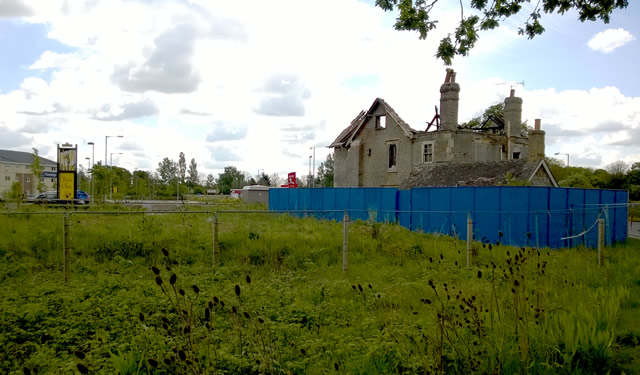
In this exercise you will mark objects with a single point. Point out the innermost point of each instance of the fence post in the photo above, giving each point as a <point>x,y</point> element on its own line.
<point>345,240</point>
<point>600,240</point>
<point>216,250</point>
<point>66,246</point>
<point>469,238</point>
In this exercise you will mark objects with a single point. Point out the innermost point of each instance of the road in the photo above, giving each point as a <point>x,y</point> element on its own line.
<point>634,230</point>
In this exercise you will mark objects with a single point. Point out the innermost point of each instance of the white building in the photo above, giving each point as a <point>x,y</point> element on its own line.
<point>15,166</point>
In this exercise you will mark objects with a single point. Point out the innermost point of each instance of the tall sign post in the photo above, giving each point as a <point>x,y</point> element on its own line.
<point>67,171</point>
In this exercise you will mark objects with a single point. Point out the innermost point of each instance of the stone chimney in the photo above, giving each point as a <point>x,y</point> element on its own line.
<point>513,114</point>
<point>449,98</point>
<point>536,143</point>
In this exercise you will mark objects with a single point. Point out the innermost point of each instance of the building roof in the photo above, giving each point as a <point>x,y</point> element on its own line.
<point>21,157</point>
<point>347,135</point>
<point>483,173</point>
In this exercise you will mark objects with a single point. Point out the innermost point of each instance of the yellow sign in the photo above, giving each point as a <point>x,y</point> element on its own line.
<point>66,185</point>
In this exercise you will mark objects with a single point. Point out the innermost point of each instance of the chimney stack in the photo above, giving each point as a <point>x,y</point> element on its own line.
<point>513,114</point>
<point>536,142</point>
<point>449,98</point>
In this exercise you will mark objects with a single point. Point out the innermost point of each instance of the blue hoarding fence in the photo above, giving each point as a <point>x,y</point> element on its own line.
<point>518,216</point>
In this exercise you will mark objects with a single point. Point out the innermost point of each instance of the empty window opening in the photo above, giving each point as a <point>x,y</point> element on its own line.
<point>427,152</point>
<point>392,155</point>
<point>369,152</point>
<point>381,122</point>
<point>516,155</point>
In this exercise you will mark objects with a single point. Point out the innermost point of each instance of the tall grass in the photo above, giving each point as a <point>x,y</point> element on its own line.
<point>408,304</point>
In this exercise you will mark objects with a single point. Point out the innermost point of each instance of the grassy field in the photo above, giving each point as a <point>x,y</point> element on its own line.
<point>144,298</point>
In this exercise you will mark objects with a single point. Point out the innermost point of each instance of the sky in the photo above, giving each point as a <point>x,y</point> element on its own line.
<point>265,85</point>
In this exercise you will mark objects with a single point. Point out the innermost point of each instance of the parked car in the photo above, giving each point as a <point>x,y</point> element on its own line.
<point>51,197</point>
<point>82,196</point>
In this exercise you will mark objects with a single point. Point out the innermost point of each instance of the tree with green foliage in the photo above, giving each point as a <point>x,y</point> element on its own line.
<point>264,179</point>
<point>193,173</point>
<point>167,170</point>
<point>37,169</point>
<point>210,182</point>
<point>231,178</point>
<point>416,15</point>
<point>324,177</point>
<point>182,167</point>
<point>15,192</point>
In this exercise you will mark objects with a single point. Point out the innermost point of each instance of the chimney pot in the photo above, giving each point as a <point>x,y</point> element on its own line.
<point>513,93</point>
<point>537,125</point>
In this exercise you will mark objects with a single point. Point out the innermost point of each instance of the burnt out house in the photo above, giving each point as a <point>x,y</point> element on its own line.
<point>379,149</point>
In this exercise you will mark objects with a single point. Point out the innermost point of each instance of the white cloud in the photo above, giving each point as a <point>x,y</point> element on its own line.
<point>253,86</point>
<point>610,39</point>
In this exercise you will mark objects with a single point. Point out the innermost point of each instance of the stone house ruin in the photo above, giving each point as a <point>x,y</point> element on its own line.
<point>379,149</point>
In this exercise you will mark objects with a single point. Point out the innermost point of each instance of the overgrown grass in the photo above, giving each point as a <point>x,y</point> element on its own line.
<point>278,301</point>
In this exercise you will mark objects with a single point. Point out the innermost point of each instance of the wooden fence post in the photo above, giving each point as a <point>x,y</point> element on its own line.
<point>216,250</point>
<point>345,240</point>
<point>600,240</point>
<point>66,246</point>
<point>469,238</point>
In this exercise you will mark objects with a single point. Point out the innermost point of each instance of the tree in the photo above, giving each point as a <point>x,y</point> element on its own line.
<point>37,169</point>
<point>415,15</point>
<point>264,179</point>
<point>168,170</point>
<point>182,167</point>
<point>211,181</point>
<point>324,177</point>
<point>617,171</point>
<point>193,173</point>
<point>231,178</point>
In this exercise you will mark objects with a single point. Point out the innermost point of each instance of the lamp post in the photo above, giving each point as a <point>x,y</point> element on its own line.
<point>111,174</point>
<point>93,162</point>
<point>89,169</point>
<point>106,138</point>
<point>313,171</point>
<point>309,171</point>
<point>559,153</point>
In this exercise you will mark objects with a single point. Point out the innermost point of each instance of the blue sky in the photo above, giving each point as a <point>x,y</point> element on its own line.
<point>247,84</point>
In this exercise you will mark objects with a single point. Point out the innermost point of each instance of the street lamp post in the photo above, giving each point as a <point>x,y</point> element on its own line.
<point>111,174</point>
<point>106,137</point>
<point>89,169</point>
<point>93,163</point>
<point>313,171</point>
<point>559,153</point>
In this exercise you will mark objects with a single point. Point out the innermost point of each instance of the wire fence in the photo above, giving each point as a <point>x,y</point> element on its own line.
<point>267,237</point>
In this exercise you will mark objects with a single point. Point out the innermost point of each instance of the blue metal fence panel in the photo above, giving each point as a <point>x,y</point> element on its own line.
<point>487,203</point>
<point>404,208</point>
<point>388,205</point>
<point>419,208</point>
<point>357,208</point>
<point>514,224</point>
<point>440,211</point>
<point>538,218</point>
<point>620,216</point>
<point>575,200</point>
<point>329,201</point>
<point>559,218</point>
<point>462,203</point>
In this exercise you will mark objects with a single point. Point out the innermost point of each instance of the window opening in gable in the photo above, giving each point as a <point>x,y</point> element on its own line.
<point>381,122</point>
<point>427,152</point>
<point>516,155</point>
<point>392,155</point>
